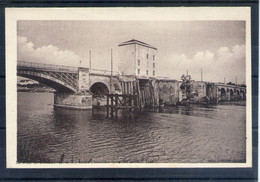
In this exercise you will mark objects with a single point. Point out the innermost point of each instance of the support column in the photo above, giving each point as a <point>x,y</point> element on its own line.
<point>83,82</point>
<point>73,100</point>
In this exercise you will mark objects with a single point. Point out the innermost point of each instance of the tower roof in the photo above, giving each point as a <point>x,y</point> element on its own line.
<point>133,41</point>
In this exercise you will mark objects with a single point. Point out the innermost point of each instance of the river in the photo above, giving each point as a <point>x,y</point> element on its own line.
<point>215,133</point>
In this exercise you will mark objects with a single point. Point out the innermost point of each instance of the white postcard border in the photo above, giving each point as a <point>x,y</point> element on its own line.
<point>128,14</point>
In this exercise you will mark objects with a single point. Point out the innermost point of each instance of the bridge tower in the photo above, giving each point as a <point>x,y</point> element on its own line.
<point>137,58</point>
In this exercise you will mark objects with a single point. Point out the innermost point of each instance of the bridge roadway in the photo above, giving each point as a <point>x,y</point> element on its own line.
<point>73,83</point>
<point>66,78</point>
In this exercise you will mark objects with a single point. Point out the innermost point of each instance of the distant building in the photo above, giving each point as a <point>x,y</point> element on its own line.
<point>27,82</point>
<point>137,58</point>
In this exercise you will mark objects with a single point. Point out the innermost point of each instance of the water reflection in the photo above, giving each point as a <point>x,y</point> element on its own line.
<point>177,134</point>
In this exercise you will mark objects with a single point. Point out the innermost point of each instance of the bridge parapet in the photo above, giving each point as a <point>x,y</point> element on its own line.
<point>103,72</point>
<point>46,66</point>
<point>230,86</point>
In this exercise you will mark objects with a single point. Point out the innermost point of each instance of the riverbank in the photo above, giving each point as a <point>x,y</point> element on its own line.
<point>35,89</point>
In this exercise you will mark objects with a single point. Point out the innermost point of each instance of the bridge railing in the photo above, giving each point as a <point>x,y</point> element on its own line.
<point>61,68</point>
<point>46,66</point>
<point>103,72</point>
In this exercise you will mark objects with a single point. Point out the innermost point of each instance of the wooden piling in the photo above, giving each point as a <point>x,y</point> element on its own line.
<point>112,108</point>
<point>127,87</point>
<point>116,104</point>
<point>107,106</point>
<point>132,99</point>
<point>124,88</point>
<point>138,95</point>
<point>121,101</point>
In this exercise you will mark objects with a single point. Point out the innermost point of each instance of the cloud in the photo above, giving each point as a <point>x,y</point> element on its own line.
<point>48,54</point>
<point>231,63</point>
<point>228,62</point>
<point>202,56</point>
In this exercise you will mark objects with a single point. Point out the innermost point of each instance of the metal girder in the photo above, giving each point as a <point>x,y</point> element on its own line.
<point>68,80</point>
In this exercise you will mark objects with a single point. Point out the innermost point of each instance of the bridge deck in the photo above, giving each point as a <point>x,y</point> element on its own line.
<point>59,68</point>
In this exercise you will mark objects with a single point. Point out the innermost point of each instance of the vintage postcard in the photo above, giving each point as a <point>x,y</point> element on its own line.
<point>128,87</point>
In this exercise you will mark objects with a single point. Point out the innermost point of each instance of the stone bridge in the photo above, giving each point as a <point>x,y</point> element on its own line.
<point>230,92</point>
<point>75,86</point>
<point>71,83</point>
<point>170,93</point>
<point>69,79</point>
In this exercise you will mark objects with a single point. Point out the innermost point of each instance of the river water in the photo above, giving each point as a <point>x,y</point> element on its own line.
<point>215,133</point>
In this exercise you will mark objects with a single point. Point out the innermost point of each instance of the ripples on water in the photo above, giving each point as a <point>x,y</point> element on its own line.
<point>178,134</point>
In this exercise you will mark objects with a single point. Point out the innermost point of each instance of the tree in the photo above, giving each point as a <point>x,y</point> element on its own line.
<point>186,86</point>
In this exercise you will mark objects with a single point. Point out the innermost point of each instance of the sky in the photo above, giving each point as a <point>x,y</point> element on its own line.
<point>216,47</point>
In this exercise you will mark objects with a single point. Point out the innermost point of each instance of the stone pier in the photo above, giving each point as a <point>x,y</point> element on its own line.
<point>80,100</point>
<point>73,101</point>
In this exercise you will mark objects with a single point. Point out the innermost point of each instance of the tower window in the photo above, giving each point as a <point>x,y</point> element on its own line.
<point>138,71</point>
<point>153,57</point>
<point>138,62</point>
<point>147,56</point>
<point>153,73</point>
<point>153,65</point>
<point>147,72</point>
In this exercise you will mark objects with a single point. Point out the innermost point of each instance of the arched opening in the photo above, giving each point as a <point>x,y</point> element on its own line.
<point>231,94</point>
<point>47,81</point>
<point>99,89</point>
<point>223,94</point>
<point>228,94</point>
<point>238,95</point>
<point>243,95</point>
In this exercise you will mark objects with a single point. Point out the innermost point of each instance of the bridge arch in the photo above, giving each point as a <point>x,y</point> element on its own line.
<point>51,82</point>
<point>231,94</point>
<point>99,89</point>
<point>228,94</point>
<point>223,94</point>
<point>243,94</point>
<point>238,94</point>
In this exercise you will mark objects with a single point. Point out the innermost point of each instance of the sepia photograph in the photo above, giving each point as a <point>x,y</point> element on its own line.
<point>165,89</point>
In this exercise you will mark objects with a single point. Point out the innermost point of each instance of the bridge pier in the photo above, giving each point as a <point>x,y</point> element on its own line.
<point>73,100</point>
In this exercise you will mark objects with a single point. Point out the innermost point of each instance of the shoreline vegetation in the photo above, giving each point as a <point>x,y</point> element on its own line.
<point>35,89</point>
